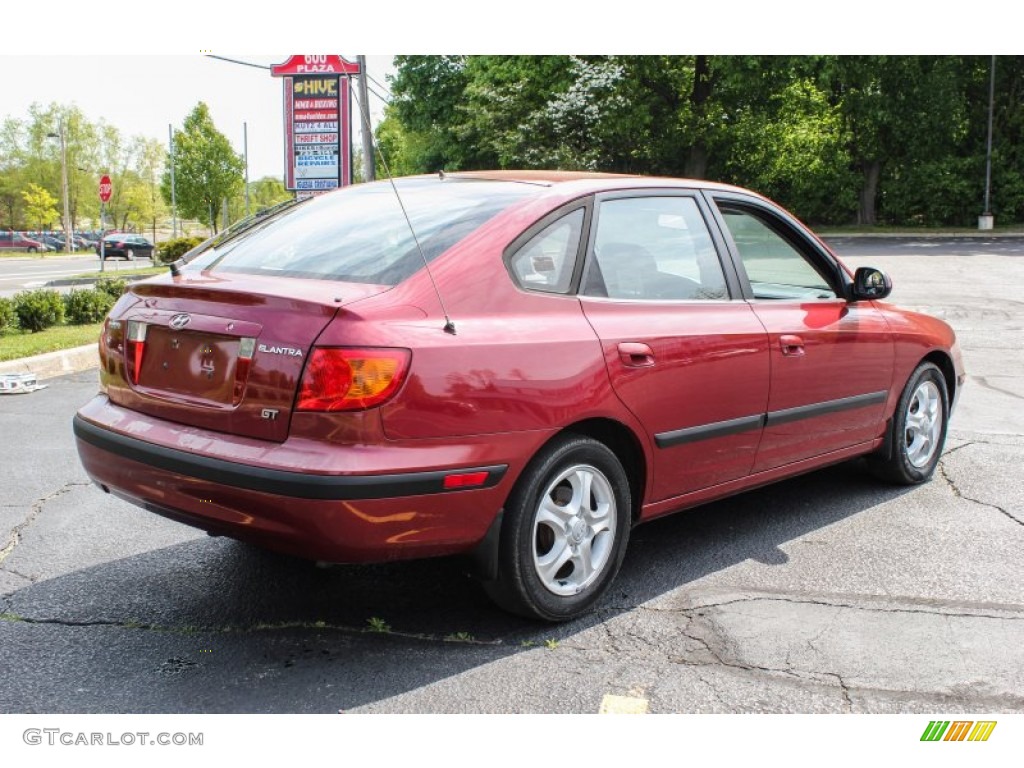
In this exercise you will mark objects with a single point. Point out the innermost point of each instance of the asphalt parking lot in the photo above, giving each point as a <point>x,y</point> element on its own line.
<point>826,593</point>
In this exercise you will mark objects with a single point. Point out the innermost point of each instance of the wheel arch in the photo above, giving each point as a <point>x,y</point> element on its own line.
<point>945,364</point>
<point>623,442</point>
<point>619,439</point>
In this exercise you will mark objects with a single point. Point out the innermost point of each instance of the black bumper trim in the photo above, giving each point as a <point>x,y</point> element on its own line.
<point>277,481</point>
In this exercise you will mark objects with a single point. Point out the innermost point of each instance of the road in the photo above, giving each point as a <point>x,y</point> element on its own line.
<point>19,274</point>
<point>826,593</point>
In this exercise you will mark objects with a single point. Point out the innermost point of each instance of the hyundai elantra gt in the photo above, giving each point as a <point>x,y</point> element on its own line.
<point>515,366</point>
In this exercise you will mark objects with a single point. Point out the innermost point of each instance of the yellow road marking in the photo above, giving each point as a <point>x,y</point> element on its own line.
<point>622,705</point>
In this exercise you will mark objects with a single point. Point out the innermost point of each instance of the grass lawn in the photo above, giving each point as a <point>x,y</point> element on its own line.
<point>123,272</point>
<point>10,254</point>
<point>17,343</point>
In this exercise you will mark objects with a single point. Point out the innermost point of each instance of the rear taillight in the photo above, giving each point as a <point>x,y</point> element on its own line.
<point>351,379</point>
<point>134,349</point>
<point>246,349</point>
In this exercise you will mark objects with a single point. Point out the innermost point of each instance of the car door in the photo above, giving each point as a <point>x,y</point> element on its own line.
<point>684,352</point>
<point>831,359</point>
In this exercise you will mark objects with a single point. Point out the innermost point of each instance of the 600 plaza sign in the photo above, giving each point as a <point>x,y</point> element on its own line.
<point>317,122</point>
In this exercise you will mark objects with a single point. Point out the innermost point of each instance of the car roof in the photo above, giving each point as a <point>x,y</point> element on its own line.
<point>585,181</point>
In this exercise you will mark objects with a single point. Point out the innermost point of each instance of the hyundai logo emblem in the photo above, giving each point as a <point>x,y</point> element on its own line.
<point>180,321</point>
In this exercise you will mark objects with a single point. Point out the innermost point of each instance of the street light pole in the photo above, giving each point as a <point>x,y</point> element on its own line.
<point>987,220</point>
<point>174,197</point>
<point>68,233</point>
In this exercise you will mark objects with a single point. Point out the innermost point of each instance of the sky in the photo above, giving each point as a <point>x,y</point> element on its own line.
<point>142,94</point>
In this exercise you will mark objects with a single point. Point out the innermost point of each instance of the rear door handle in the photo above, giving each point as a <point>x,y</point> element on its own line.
<point>792,346</point>
<point>635,355</point>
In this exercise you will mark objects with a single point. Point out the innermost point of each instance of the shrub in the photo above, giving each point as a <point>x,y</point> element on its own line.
<point>7,319</point>
<point>38,310</point>
<point>172,250</point>
<point>89,306</point>
<point>112,286</point>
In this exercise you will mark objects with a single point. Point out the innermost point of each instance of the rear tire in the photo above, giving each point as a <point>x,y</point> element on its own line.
<point>917,430</point>
<point>564,531</point>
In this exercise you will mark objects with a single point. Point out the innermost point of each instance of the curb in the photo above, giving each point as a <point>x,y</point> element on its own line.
<point>987,235</point>
<point>59,363</point>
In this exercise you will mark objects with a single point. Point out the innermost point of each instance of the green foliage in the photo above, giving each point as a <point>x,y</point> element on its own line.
<point>38,310</point>
<point>7,316</point>
<point>837,139</point>
<point>40,206</point>
<point>377,624</point>
<point>112,286</point>
<point>207,170</point>
<point>172,250</point>
<point>87,306</point>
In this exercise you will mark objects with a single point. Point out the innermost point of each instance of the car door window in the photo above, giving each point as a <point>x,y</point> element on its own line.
<point>653,248</point>
<point>776,269</point>
<point>545,262</point>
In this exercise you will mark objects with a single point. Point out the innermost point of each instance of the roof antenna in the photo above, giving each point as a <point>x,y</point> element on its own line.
<point>449,326</point>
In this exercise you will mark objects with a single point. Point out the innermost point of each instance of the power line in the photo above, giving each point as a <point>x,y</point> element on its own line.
<point>379,84</point>
<point>236,61</point>
<point>382,98</point>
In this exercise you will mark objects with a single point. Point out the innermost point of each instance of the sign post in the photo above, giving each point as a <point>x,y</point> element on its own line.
<point>317,122</point>
<point>106,189</point>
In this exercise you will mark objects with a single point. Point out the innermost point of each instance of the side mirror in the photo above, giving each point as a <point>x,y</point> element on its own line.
<point>870,283</point>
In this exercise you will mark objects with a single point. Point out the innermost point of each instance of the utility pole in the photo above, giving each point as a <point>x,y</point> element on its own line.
<point>245,149</point>
<point>369,173</point>
<point>174,199</point>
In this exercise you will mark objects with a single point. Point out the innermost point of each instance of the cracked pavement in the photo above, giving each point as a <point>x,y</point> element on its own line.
<point>826,593</point>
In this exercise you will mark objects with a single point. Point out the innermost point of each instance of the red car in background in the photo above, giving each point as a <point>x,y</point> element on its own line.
<point>14,241</point>
<point>585,352</point>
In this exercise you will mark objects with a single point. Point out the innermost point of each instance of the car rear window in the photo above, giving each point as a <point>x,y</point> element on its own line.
<point>360,234</point>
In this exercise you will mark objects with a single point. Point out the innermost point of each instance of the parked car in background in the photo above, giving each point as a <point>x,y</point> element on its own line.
<point>584,353</point>
<point>126,246</point>
<point>15,241</point>
<point>52,242</point>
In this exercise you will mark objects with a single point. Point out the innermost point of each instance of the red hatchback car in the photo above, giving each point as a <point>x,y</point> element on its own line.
<point>583,353</point>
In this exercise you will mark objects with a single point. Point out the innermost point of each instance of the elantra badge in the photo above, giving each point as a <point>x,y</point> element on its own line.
<point>276,350</point>
<point>179,321</point>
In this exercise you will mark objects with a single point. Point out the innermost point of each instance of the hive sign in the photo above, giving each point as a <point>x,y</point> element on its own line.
<point>317,122</point>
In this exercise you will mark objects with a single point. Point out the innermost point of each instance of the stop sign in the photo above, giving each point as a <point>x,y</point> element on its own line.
<point>106,188</point>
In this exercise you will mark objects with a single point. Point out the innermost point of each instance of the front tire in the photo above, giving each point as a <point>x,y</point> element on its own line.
<point>917,430</point>
<point>564,532</point>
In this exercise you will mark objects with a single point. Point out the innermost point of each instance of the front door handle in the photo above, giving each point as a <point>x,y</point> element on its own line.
<point>792,346</point>
<point>635,355</point>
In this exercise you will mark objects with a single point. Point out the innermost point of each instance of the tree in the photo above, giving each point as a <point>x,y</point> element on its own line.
<point>207,170</point>
<point>40,206</point>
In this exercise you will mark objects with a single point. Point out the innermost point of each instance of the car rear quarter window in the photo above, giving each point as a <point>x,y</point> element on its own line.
<point>545,263</point>
<point>361,234</point>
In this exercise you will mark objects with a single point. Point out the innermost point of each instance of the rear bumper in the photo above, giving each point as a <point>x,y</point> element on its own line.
<point>336,517</point>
